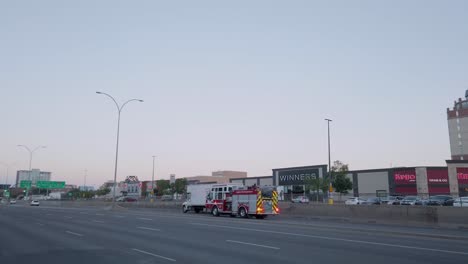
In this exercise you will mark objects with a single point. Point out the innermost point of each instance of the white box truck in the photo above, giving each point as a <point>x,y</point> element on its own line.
<point>196,197</point>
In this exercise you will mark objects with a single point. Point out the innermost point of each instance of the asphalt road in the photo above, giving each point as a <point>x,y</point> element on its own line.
<point>92,235</point>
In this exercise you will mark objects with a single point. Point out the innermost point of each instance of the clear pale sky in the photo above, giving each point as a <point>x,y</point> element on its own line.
<point>235,85</point>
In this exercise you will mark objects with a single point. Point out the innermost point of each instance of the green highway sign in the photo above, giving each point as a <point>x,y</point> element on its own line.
<point>6,194</point>
<point>25,184</point>
<point>50,185</point>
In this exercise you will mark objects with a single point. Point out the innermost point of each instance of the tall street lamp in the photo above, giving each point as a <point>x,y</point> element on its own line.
<point>31,152</point>
<point>330,200</point>
<point>7,166</point>
<point>152,181</point>
<point>119,110</point>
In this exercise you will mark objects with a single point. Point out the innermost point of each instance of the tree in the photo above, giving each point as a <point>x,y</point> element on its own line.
<point>316,184</point>
<point>341,182</point>
<point>162,186</point>
<point>180,185</point>
<point>103,191</point>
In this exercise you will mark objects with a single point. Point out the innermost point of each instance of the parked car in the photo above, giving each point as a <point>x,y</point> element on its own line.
<point>300,199</point>
<point>394,200</point>
<point>461,202</point>
<point>354,201</point>
<point>441,200</point>
<point>409,200</point>
<point>12,201</point>
<point>126,199</point>
<point>34,203</point>
<point>166,198</point>
<point>372,201</point>
<point>422,202</point>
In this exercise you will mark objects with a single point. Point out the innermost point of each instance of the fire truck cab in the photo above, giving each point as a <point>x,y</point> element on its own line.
<point>242,201</point>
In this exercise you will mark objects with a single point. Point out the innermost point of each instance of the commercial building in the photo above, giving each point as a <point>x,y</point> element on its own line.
<point>420,181</point>
<point>217,177</point>
<point>84,188</point>
<point>34,175</point>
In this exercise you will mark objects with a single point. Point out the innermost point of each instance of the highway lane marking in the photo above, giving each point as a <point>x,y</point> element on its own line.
<point>146,219</point>
<point>251,244</point>
<point>73,233</point>
<point>154,255</point>
<point>100,214</point>
<point>148,228</point>
<point>98,221</point>
<point>336,239</point>
<point>119,216</point>
<point>68,217</point>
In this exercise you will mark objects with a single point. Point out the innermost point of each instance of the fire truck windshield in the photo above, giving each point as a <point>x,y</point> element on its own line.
<point>267,192</point>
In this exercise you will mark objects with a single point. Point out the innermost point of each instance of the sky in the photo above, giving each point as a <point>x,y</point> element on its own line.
<point>227,85</point>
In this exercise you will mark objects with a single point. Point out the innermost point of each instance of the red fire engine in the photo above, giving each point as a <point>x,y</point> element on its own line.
<point>242,201</point>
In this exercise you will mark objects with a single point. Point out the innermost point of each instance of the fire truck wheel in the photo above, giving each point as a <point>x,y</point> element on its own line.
<point>243,213</point>
<point>185,209</point>
<point>215,211</point>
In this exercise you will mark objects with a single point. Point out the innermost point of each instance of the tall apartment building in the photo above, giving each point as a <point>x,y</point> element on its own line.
<point>458,128</point>
<point>35,175</point>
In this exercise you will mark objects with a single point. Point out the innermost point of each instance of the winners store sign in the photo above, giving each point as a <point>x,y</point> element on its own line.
<point>296,177</point>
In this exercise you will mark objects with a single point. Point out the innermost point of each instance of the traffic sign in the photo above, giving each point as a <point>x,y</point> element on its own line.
<point>25,184</point>
<point>6,194</point>
<point>50,185</point>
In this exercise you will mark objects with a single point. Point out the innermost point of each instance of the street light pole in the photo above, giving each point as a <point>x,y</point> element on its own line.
<point>84,183</point>
<point>31,152</point>
<point>7,166</point>
<point>330,200</point>
<point>119,110</point>
<point>152,181</point>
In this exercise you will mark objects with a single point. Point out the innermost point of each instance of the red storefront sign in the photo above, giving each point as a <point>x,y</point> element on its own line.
<point>437,176</point>
<point>405,182</point>
<point>462,175</point>
<point>437,180</point>
<point>404,177</point>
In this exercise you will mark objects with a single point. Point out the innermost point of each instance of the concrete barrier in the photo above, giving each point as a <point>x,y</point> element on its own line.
<point>408,215</point>
<point>453,217</point>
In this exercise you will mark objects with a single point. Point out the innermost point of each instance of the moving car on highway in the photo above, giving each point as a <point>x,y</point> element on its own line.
<point>441,200</point>
<point>34,203</point>
<point>12,201</point>
<point>300,199</point>
<point>354,201</point>
<point>461,202</point>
